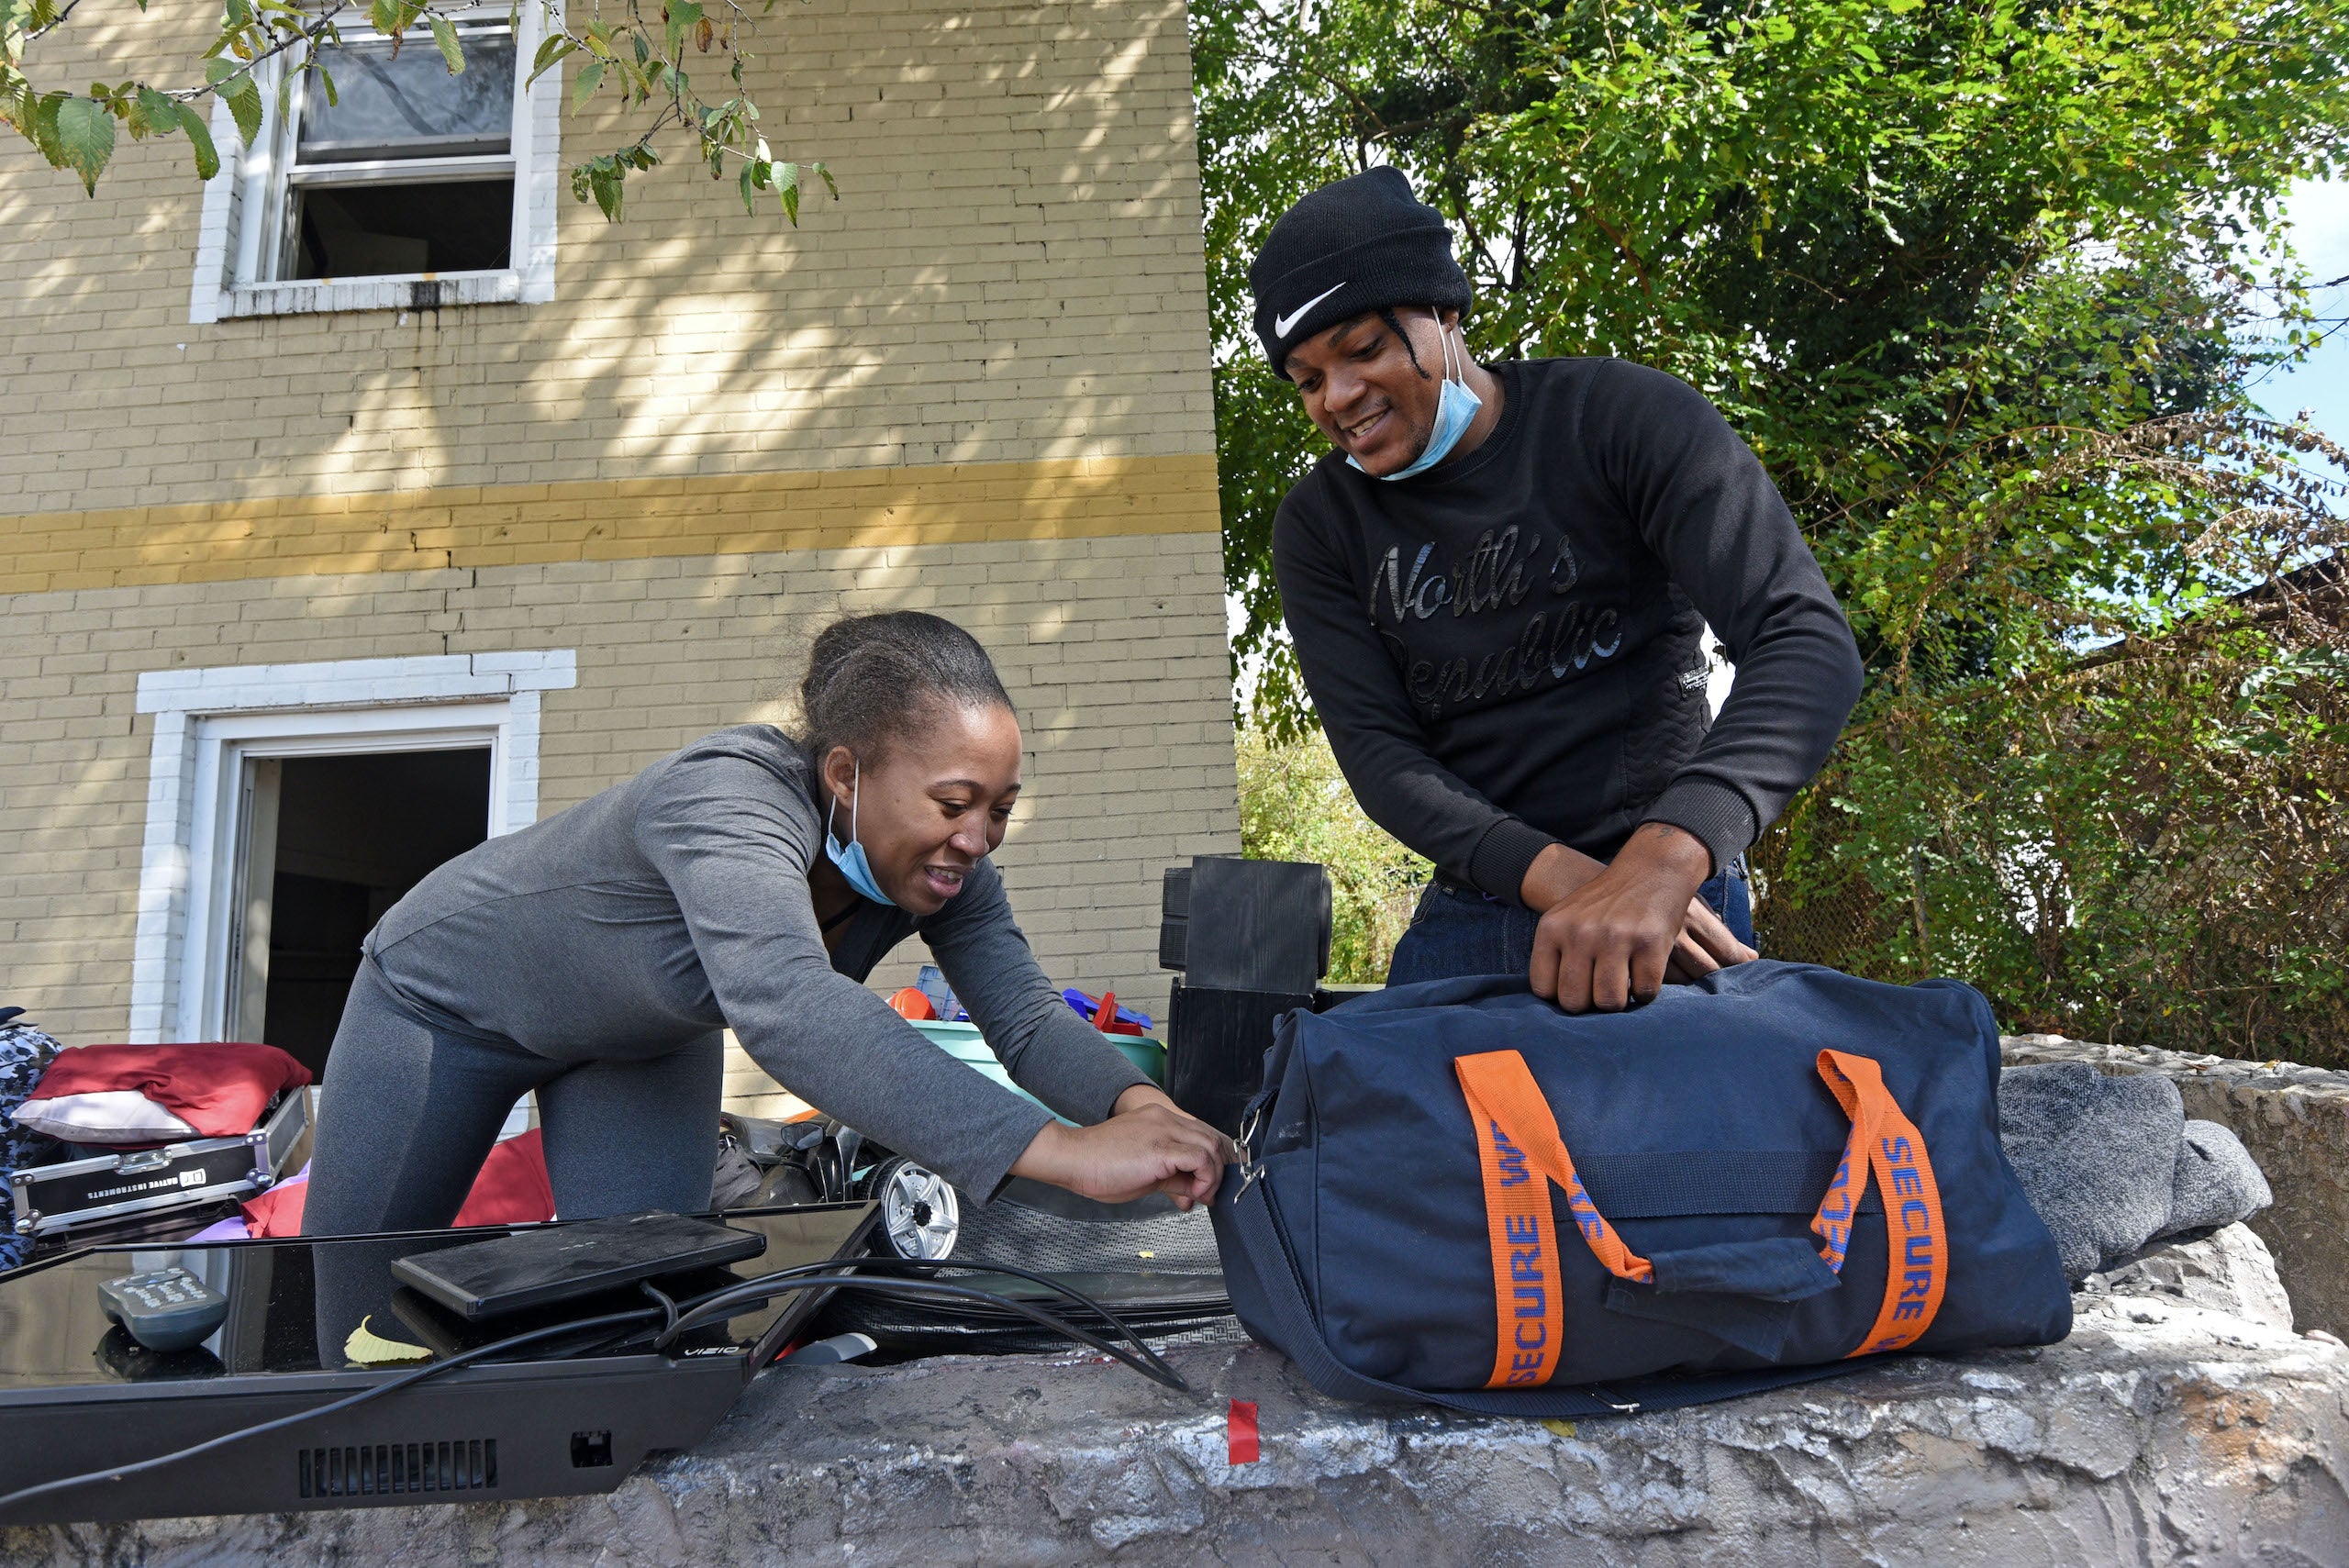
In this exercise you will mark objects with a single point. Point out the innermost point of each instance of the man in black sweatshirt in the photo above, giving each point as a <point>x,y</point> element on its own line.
<point>1497,584</point>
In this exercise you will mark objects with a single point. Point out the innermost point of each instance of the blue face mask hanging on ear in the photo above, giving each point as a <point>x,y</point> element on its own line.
<point>850,857</point>
<point>1455,409</point>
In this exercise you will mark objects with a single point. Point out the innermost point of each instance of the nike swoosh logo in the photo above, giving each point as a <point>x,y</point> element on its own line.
<point>1281,324</point>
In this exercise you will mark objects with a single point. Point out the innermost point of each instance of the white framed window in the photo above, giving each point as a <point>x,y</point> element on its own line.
<point>411,189</point>
<point>226,738</point>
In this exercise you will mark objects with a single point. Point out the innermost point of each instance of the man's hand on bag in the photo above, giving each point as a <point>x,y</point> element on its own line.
<point>1626,928</point>
<point>1146,1146</point>
<point>1706,944</point>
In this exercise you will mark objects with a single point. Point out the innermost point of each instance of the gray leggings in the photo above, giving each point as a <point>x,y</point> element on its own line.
<point>409,1111</point>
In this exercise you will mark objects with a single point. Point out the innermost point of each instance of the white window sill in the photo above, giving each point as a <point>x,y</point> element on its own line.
<point>411,291</point>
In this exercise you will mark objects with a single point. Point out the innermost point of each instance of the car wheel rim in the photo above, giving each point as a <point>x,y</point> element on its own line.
<point>920,1212</point>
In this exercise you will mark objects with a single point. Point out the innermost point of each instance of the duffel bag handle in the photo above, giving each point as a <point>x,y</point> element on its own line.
<point>1517,1140</point>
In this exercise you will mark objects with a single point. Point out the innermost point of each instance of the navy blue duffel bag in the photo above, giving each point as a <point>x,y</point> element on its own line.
<point>1455,1192</point>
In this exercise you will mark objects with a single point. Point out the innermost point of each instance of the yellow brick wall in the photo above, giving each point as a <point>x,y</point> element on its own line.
<point>1120,674</point>
<point>1013,271</point>
<point>977,383</point>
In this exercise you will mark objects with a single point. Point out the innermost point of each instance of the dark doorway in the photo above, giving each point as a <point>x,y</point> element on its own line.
<point>354,834</point>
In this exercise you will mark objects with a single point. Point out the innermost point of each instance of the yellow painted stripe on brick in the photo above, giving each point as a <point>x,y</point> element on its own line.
<point>422,530</point>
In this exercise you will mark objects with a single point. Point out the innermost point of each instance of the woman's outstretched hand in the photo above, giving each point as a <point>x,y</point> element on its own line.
<point>1146,1146</point>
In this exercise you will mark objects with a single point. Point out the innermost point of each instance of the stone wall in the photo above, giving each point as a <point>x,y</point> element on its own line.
<point>2295,1121</point>
<point>2177,1425</point>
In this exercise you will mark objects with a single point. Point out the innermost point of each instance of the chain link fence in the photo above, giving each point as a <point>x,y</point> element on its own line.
<point>1836,927</point>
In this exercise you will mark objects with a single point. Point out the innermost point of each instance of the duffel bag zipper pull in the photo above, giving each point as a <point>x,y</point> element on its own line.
<point>1251,1167</point>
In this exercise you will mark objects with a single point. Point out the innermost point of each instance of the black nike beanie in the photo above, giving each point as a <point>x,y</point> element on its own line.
<point>1353,246</point>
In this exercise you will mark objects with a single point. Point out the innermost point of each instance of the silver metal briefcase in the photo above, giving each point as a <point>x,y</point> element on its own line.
<point>52,1200</point>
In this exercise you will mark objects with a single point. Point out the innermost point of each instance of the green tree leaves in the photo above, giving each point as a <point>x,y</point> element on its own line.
<point>234,84</point>
<point>199,136</point>
<point>1294,805</point>
<point>1987,288</point>
<point>393,18</point>
<point>77,133</point>
<point>552,50</point>
<point>679,18</point>
<point>640,47</point>
<point>1896,243</point>
<point>603,179</point>
<point>445,34</point>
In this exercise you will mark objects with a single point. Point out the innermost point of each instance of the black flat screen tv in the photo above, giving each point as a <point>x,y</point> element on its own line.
<point>311,1321</point>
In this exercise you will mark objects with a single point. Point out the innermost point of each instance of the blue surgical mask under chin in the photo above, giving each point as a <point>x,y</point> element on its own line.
<point>849,856</point>
<point>1455,409</point>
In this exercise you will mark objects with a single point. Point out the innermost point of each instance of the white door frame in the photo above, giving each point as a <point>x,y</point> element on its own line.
<point>223,743</point>
<point>208,721</point>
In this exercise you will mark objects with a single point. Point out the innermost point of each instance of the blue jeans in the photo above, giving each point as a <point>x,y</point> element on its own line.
<point>1456,931</point>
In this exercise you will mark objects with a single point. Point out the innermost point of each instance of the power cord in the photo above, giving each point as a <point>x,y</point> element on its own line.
<point>1141,1358</point>
<point>747,1289</point>
<point>668,1304</point>
<point>407,1380</point>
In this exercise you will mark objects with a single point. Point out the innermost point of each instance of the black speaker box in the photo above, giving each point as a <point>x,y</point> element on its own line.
<point>1246,925</point>
<point>1216,1041</point>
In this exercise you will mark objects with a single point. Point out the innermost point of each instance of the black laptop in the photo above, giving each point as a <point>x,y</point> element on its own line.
<point>562,1263</point>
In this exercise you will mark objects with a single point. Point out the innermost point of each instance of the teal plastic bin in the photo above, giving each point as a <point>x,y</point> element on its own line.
<point>963,1043</point>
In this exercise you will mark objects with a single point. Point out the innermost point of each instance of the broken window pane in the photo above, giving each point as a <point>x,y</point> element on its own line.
<point>410,106</point>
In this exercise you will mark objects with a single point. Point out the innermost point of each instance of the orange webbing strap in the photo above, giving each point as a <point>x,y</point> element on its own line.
<point>1517,1141</point>
<point>1517,1144</point>
<point>1832,1223</point>
<point>1917,1259</point>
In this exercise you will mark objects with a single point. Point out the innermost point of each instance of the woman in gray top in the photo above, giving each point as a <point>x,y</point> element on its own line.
<point>751,880</point>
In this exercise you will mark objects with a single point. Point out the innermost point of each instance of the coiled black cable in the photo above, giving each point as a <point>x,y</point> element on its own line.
<point>723,1302</point>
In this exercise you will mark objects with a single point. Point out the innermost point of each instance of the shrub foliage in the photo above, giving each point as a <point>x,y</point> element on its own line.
<point>1294,805</point>
<point>1989,289</point>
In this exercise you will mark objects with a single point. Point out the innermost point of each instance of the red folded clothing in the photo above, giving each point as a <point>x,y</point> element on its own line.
<point>512,1189</point>
<point>221,1090</point>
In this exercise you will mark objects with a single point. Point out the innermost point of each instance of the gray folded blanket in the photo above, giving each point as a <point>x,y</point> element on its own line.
<point>2110,1162</point>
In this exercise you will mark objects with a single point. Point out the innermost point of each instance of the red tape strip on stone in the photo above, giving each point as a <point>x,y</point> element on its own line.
<point>1241,1437</point>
